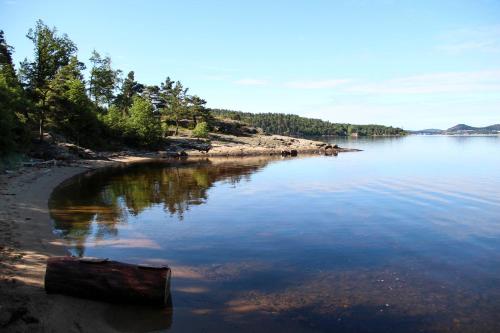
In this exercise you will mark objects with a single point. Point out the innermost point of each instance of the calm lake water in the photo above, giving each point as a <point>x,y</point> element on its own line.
<point>401,237</point>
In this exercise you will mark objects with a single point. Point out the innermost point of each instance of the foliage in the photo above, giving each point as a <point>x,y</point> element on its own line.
<point>197,110</point>
<point>129,89</point>
<point>289,124</point>
<point>174,98</point>
<point>142,123</point>
<point>71,111</point>
<point>104,80</point>
<point>51,52</point>
<point>12,103</point>
<point>201,130</point>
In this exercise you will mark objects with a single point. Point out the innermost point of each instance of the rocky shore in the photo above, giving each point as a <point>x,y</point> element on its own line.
<point>217,145</point>
<point>251,145</point>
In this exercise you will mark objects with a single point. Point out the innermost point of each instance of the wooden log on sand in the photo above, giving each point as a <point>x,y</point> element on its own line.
<point>107,280</point>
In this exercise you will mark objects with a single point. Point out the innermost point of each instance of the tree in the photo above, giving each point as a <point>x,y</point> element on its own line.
<point>12,101</point>
<point>129,89</point>
<point>197,110</point>
<point>51,52</point>
<point>103,80</point>
<point>6,65</point>
<point>289,124</point>
<point>70,108</point>
<point>143,124</point>
<point>175,97</point>
<point>201,130</point>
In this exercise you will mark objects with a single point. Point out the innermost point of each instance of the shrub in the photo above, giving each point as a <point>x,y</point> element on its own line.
<point>201,130</point>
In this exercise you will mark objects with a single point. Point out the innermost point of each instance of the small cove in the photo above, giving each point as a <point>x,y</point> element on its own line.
<point>403,236</point>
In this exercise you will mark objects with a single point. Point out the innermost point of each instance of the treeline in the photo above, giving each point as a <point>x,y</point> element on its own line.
<point>50,93</point>
<point>290,124</point>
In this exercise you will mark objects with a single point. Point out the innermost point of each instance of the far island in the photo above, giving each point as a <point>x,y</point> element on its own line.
<point>461,129</point>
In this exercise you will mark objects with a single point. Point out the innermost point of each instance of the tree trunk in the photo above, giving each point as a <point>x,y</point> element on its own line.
<point>176,127</point>
<point>106,280</point>
<point>42,115</point>
<point>41,123</point>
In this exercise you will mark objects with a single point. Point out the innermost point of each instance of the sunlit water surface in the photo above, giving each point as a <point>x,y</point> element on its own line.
<point>401,237</point>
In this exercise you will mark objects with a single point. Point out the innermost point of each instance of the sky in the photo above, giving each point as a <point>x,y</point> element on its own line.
<point>413,64</point>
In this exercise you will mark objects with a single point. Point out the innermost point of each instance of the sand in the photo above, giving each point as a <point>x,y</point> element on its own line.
<point>26,241</point>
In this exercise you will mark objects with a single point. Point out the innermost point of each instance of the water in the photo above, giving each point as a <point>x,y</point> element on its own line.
<point>401,237</point>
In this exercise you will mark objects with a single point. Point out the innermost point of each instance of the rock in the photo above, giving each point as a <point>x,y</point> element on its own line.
<point>285,153</point>
<point>329,150</point>
<point>81,152</point>
<point>293,152</point>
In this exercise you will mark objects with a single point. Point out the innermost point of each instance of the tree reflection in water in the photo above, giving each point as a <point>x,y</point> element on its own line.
<point>94,203</point>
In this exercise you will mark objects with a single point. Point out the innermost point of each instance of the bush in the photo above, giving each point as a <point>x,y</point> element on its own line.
<point>143,124</point>
<point>201,130</point>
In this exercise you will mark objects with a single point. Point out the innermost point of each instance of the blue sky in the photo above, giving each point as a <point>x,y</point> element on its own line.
<point>415,64</point>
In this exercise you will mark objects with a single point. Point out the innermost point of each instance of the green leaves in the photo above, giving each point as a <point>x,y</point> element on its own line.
<point>104,80</point>
<point>142,123</point>
<point>201,130</point>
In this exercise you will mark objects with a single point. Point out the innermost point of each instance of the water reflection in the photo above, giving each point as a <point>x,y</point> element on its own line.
<point>95,203</point>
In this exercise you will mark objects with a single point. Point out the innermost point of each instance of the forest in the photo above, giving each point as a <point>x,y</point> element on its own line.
<point>294,125</point>
<point>95,105</point>
<point>49,93</point>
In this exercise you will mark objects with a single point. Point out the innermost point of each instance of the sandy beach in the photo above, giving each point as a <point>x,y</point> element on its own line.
<point>26,241</point>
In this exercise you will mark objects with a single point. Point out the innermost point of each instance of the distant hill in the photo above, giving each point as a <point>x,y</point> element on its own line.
<point>461,129</point>
<point>495,127</point>
<point>294,125</point>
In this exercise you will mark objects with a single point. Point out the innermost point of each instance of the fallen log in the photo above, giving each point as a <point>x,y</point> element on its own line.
<point>107,280</point>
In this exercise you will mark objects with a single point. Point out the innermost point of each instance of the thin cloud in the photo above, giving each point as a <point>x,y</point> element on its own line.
<point>483,39</point>
<point>215,77</point>
<point>252,82</point>
<point>453,82</point>
<point>316,84</point>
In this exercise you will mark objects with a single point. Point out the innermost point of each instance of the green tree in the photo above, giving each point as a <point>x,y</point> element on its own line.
<point>201,130</point>
<point>51,52</point>
<point>103,81</point>
<point>142,123</point>
<point>70,108</point>
<point>289,124</point>
<point>12,102</point>
<point>197,109</point>
<point>129,89</point>
<point>175,98</point>
<point>115,120</point>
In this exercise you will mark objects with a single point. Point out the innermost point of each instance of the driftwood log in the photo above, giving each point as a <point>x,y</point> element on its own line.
<point>107,280</point>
